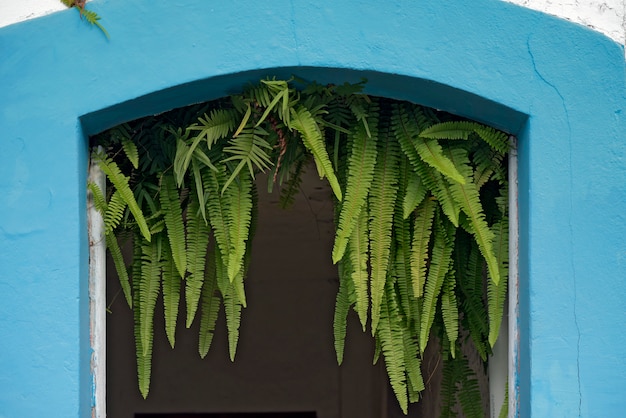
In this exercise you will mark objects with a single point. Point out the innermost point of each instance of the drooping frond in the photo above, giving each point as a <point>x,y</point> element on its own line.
<point>149,286</point>
<point>401,270</point>
<point>342,307</point>
<point>211,303</point>
<point>131,151</point>
<point>197,242</point>
<point>390,335</point>
<point>232,307</point>
<point>170,204</point>
<point>120,182</point>
<point>218,209</point>
<point>414,194</point>
<point>469,269</point>
<point>359,180</point>
<point>422,230</point>
<point>304,123</point>
<point>450,311</point>
<point>382,202</point>
<point>358,258</point>
<point>239,201</point>
<point>468,198</point>
<point>120,266</point>
<point>496,293</point>
<point>441,189</point>
<point>439,267</point>
<point>171,282</point>
<point>413,365</point>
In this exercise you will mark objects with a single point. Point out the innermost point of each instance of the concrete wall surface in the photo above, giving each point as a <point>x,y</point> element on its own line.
<point>559,87</point>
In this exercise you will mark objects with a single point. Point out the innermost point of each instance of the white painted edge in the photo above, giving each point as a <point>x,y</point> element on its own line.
<point>513,308</point>
<point>97,295</point>
<point>503,351</point>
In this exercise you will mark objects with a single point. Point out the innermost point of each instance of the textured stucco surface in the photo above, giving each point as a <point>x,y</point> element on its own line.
<point>558,86</point>
<point>605,16</point>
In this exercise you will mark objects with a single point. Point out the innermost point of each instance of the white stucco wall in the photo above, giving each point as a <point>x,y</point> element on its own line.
<point>605,16</point>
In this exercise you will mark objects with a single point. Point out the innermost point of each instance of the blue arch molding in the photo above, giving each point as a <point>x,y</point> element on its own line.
<point>558,86</point>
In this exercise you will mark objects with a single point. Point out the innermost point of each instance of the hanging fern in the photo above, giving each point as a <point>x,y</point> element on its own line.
<point>421,214</point>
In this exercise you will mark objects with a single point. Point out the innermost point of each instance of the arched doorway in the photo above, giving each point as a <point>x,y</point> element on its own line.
<point>554,84</point>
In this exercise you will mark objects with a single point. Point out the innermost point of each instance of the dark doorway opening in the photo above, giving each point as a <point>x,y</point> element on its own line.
<point>233,415</point>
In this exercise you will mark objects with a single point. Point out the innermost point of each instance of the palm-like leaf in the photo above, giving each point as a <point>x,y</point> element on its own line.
<point>197,242</point>
<point>211,303</point>
<point>358,257</point>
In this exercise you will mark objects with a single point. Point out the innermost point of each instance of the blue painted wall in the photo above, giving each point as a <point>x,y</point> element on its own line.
<point>558,86</point>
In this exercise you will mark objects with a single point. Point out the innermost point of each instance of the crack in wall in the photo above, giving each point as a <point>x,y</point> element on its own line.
<point>570,225</point>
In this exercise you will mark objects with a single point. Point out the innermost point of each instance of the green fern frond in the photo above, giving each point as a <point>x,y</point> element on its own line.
<point>469,268</point>
<point>382,202</point>
<point>439,267</point>
<point>406,128</point>
<point>219,124</point>
<point>449,130</point>
<point>413,365</point>
<point>131,151</point>
<point>468,198</point>
<point>432,154</point>
<point>197,243</point>
<point>115,176</point>
<point>390,335</point>
<point>171,282</point>
<point>218,209</point>
<point>248,149</point>
<point>93,18</point>
<point>496,293</point>
<point>120,266</point>
<point>342,307</point>
<point>401,270</point>
<point>211,303</point>
<point>450,311</point>
<point>304,123</point>
<point>292,186</point>
<point>150,283</point>
<point>359,180</point>
<point>232,307</point>
<point>359,257</point>
<point>239,202</point>
<point>170,203</point>
<point>498,140</point>
<point>469,395</point>
<point>114,212</point>
<point>414,194</point>
<point>422,230</point>
<point>99,201</point>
